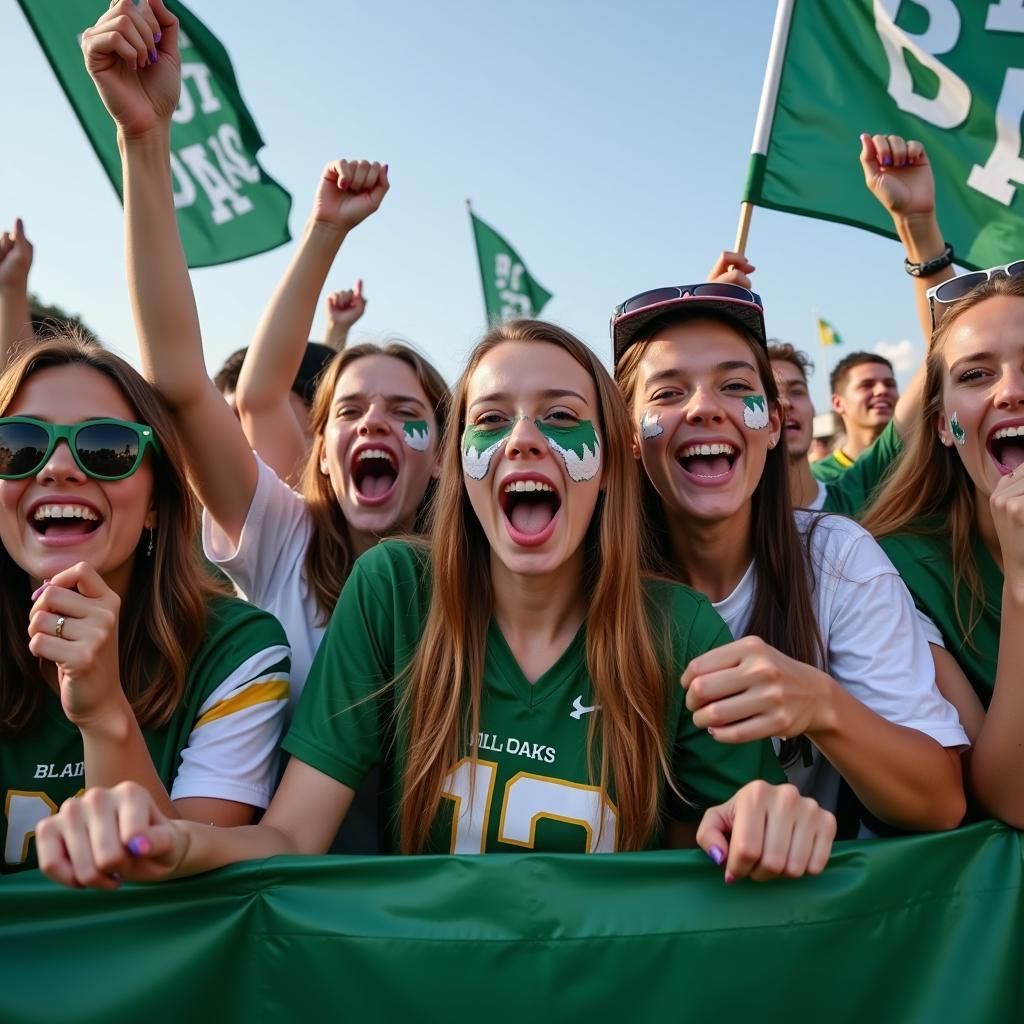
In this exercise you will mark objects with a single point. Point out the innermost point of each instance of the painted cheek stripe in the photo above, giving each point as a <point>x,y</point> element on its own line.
<point>958,432</point>
<point>478,448</point>
<point>650,425</point>
<point>578,447</point>
<point>416,434</point>
<point>755,412</point>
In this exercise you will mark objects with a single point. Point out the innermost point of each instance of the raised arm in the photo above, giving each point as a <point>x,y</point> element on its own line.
<point>348,192</point>
<point>343,309</point>
<point>15,319</point>
<point>141,95</point>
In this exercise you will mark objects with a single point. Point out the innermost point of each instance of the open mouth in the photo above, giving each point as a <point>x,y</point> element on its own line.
<point>708,462</point>
<point>794,426</point>
<point>64,520</point>
<point>530,508</point>
<point>1006,446</point>
<point>374,474</point>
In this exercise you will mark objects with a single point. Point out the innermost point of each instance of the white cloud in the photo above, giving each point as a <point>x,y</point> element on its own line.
<point>902,354</point>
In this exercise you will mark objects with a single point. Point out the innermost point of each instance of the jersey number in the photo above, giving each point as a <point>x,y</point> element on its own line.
<point>24,811</point>
<point>527,799</point>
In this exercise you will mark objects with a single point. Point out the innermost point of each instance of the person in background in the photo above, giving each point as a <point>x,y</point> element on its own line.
<point>343,309</point>
<point>15,316</point>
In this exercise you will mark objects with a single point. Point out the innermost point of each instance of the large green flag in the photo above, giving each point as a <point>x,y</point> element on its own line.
<point>509,290</point>
<point>228,207</point>
<point>947,72</point>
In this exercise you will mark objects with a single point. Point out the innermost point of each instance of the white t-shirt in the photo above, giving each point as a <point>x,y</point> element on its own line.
<point>873,639</point>
<point>819,499</point>
<point>268,566</point>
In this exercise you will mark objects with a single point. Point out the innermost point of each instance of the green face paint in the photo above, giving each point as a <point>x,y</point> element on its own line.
<point>650,425</point>
<point>416,434</point>
<point>755,412</point>
<point>958,432</point>
<point>578,446</point>
<point>478,448</point>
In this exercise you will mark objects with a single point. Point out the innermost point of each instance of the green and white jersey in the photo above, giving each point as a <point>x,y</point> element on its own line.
<point>925,562</point>
<point>850,491</point>
<point>530,786</point>
<point>221,741</point>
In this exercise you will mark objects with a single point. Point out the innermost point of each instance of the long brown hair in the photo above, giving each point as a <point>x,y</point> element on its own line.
<point>445,678</point>
<point>930,493</point>
<point>329,555</point>
<point>163,617</point>
<point>783,612</point>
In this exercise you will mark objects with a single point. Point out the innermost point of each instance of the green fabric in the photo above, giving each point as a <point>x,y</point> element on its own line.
<point>837,81</point>
<point>828,469</point>
<point>925,929</point>
<point>926,565</point>
<point>42,767</point>
<point>509,289</point>
<point>851,491</point>
<point>228,207</point>
<point>532,776</point>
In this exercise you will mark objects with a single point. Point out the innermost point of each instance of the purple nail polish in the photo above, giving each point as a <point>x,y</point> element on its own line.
<point>886,161</point>
<point>157,36</point>
<point>138,846</point>
<point>715,853</point>
<point>154,56</point>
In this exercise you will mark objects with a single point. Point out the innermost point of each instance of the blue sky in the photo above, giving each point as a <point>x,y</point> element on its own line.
<point>608,142</point>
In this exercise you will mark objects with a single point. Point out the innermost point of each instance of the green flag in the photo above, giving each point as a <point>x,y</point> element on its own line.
<point>946,73</point>
<point>228,207</point>
<point>509,290</point>
<point>827,333</point>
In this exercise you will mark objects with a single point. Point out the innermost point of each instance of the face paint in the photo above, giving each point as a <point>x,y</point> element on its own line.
<point>478,448</point>
<point>650,425</point>
<point>416,435</point>
<point>959,435</point>
<point>578,446</point>
<point>755,412</point>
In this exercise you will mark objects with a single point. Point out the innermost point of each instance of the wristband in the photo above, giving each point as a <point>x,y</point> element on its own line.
<point>929,267</point>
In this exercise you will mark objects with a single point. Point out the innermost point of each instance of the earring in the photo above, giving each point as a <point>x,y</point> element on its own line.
<point>149,546</point>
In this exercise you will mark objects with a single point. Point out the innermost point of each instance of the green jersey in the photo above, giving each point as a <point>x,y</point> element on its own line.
<point>219,742</point>
<point>529,786</point>
<point>850,493</point>
<point>925,562</point>
<point>832,467</point>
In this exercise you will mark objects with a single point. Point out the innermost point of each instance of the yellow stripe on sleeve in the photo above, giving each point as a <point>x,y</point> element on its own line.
<point>271,689</point>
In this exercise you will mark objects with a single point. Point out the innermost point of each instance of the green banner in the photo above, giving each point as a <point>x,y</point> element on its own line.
<point>949,73</point>
<point>228,207</point>
<point>509,290</point>
<point>923,929</point>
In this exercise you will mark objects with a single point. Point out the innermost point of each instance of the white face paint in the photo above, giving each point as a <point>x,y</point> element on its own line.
<point>416,434</point>
<point>958,432</point>
<point>650,425</point>
<point>755,412</point>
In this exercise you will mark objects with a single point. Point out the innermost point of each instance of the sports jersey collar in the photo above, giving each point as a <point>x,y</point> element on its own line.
<point>566,669</point>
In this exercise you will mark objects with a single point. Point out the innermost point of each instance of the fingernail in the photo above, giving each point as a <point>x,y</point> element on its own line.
<point>154,56</point>
<point>138,846</point>
<point>157,36</point>
<point>42,586</point>
<point>729,878</point>
<point>716,854</point>
<point>886,161</point>
<point>902,163</point>
<point>711,732</point>
<point>385,168</point>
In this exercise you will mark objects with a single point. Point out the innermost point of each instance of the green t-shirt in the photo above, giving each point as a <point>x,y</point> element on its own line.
<point>850,492</point>
<point>44,766</point>
<point>530,784</point>
<point>832,467</point>
<point>926,565</point>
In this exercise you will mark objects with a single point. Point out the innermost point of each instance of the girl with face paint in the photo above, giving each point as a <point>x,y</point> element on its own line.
<point>952,520</point>
<point>525,671</point>
<point>803,592</point>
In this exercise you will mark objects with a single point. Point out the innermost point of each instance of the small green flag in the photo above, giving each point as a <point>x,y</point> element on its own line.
<point>509,290</point>
<point>949,74</point>
<point>827,333</point>
<point>228,207</point>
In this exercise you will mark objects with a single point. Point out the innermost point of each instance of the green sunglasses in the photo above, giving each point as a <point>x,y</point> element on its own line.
<point>103,449</point>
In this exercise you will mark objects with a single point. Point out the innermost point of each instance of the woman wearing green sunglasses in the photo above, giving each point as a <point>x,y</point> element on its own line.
<point>119,658</point>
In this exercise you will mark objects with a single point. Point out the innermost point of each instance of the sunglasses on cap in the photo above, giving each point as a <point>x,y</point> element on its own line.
<point>103,449</point>
<point>731,299</point>
<point>943,295</point>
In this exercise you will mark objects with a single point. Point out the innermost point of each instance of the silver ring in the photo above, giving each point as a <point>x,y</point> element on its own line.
<point>59,628</point>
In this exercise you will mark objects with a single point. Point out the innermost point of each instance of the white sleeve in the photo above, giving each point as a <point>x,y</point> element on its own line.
<point>273,540</point>
<point>930,630</point>
<point>232,749</point>
<point>877,649</point>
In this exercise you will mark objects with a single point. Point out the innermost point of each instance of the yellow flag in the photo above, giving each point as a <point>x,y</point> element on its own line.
<point>828,334</point>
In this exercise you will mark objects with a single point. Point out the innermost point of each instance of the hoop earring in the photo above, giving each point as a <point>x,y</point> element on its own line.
<point>149,546</point>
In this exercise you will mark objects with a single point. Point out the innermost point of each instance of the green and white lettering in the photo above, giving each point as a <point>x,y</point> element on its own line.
<point>958,432</point>
<point>416,435</point>
<point>650,425</point>
<point>578,446</point>
<point>478,448</point>
<point>755,412</point>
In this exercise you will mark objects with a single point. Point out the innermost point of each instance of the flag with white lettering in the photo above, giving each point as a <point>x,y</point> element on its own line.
<point>509,290</point>
<point>949,73</point>
<point>228,206</point>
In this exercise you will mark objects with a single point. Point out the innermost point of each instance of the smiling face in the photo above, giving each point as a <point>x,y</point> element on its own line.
<point>379,446</point>
<point>531,454</point>
<point>868,396</point>
<point>983,389</point>
<point>61,516</point>
<point>797,408</point>
<point>699,380</point>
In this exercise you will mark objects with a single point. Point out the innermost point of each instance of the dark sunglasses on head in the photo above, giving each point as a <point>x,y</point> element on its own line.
<point>680,291</point>
<point>956,288</point>
<point>103,449</point>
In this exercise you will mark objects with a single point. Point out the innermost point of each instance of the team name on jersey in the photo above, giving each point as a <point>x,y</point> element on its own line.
<point>71,770</point>
<point>511,745</point>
